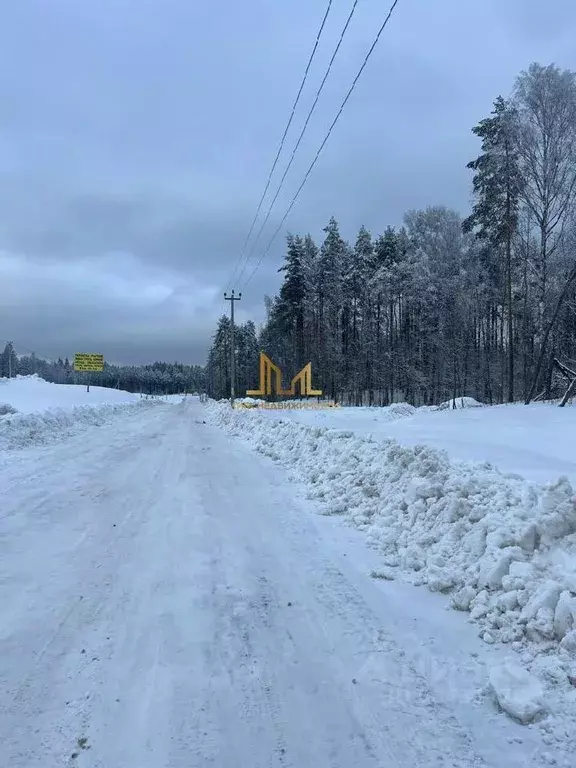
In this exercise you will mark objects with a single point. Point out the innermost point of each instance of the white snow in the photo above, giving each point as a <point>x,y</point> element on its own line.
<point>35,412</point>
<point>168,600</point>
<point>518,693</point>
<point>459,403</point>
<point>31,394</point>
<point>503,548</point>
<point>535,442</point>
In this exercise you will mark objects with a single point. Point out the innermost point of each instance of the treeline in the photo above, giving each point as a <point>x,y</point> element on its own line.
<point>247,348</point>
<point>443,307</point>
<point>155,379</point>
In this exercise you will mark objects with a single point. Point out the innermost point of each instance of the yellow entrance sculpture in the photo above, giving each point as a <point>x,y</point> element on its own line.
<point>268,370</point>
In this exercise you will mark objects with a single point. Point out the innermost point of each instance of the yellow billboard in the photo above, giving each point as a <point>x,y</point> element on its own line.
<point>88,363</point>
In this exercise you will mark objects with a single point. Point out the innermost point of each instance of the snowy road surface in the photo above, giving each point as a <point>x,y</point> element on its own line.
<point>167,602</point>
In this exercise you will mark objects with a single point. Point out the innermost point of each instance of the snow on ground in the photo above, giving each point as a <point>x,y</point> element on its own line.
<point>33,411</point>
<point>30,394</point>
<point>517,692</point>
<point>125,597</point>
<point>503,548</point>
<point>535,442</point>
<point>168,599</point>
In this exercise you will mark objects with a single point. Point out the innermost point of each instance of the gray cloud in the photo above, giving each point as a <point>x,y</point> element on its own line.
<point>136,138</point>
<point>554,22</point>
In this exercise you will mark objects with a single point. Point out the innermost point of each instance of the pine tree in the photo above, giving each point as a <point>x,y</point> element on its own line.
<point>329,276</point>
<point>218,366</point>
<point>291,300</point>
<point>356,306</point>
<point>497,186</point>
<point>8,362</point>
<point>25,366</point>
<point>386,249</point>
<point>247,363</point>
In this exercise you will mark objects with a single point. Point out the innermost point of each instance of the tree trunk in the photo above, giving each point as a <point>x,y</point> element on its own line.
<point>570,392</point>
<point>549,327</point>
<point>548,389</point>
<point>509,298</point>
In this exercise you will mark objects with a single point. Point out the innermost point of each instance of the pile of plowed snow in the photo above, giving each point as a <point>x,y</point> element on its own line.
<point>535,442</point>
<point>503,549</point>
<point>35,412</point>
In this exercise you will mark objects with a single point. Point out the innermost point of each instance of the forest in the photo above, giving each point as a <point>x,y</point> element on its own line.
<point>444,305</point>
<point>156,379</point>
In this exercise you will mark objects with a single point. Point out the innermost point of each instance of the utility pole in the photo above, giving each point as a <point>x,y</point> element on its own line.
<point>232,298</point>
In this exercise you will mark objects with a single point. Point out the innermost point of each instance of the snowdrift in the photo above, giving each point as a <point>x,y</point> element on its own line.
<point>503,549</point>
<point>534,442</point>
<point>458,403</point>
<point>25,430</point>
<point>35,412</point>
<point>30,394</point>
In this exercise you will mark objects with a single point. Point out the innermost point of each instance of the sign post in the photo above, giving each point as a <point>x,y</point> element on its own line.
<point>88,363</point>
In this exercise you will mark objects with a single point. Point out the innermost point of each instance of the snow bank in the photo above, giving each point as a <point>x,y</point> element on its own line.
<point>458,403</point>
<point>30,394</point>
<point>25,430</point>
<point>363,420</point>
<point>36,412</point>
<point>502,548</point>
<point>249,402</point>
<point>535,442</point>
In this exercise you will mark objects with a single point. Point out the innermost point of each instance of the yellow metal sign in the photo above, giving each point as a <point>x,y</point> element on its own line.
<point>270,371</point>
<point>88,362</point>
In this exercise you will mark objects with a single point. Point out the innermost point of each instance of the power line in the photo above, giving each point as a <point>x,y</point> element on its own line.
<point>289,123</point>
<point>303,131</point>
<point>318,153</point>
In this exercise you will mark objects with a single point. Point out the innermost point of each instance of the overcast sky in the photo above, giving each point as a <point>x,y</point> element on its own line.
<point>136,137</point>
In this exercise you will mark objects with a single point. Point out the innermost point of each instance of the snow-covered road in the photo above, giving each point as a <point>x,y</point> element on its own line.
<point>167,601</point>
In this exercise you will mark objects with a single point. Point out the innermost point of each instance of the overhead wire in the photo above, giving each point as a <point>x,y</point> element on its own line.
<point>297,145</point>
<point>318,153</point>
<point>281,146</point>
